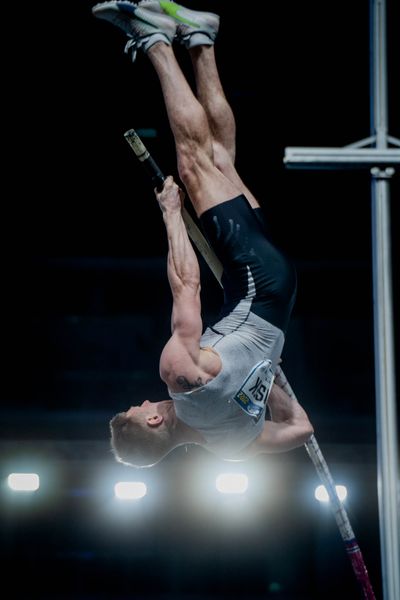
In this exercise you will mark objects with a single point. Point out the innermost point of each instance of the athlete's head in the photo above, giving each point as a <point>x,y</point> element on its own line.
<point>144,434</point>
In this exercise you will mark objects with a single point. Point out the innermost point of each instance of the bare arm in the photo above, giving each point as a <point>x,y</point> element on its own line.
<point>183,267</point>
<point>183,366</point>
<point>288,429</point>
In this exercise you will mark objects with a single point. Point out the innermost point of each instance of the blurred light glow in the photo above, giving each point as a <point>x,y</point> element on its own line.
<point>130,490</point>
<point>232,483</point>
<point>23,482</point>
<point>322,495</point>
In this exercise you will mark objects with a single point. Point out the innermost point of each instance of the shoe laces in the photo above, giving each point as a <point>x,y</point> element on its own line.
<point>131,48</point>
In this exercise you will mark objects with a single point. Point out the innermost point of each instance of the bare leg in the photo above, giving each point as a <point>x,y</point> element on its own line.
<point>219,115</point>
<point>206,185</point>
<point>212,98</point>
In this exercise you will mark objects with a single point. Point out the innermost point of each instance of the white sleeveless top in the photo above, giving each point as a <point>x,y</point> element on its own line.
<point>229,411</point>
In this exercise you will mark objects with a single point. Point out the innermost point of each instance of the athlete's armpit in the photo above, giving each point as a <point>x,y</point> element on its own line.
<point>187,385</point>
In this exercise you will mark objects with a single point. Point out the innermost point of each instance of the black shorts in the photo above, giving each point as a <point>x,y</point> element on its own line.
<point>237,234</point>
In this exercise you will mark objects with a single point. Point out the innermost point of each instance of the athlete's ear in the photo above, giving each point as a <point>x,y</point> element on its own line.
<point>154,420</point>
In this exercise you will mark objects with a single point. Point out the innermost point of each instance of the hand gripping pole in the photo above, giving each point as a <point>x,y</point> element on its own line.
<point>158,178</point>
<point>311,446</point>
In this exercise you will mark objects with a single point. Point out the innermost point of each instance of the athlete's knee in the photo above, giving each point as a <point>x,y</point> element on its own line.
<point>224,158</point>
<point>187,169</point>
<point>193,162</point>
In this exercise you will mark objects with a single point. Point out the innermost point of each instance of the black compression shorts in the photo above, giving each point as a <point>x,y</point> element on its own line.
<point>237,234</point>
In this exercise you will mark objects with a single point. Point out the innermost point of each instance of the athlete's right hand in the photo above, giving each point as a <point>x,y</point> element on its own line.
<point>170,198</point>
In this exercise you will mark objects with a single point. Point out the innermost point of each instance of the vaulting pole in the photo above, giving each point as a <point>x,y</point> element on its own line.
<point>342,520</point>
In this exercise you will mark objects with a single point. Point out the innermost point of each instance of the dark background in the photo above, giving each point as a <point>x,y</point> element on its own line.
<point>86,305</point>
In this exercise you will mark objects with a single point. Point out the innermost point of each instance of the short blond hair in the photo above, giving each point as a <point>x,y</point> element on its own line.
<point>135,444</point>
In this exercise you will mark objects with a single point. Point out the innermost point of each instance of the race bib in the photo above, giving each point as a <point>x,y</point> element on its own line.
<point>253,394</point>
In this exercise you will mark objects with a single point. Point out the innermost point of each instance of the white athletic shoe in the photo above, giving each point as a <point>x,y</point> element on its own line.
<point>193,27</point>
<point>144,27</point>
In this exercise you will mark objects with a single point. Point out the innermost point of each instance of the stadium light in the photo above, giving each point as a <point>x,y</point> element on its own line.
<point>322,495</point>
<point>130,490</point>
<point>232,483</point>
<point>23,482</point>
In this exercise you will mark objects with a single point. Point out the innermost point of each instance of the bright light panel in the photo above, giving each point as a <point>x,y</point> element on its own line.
<point>232,483</point>
<point>321,493</point>
<point>23,482</point>
<point>130,490</point>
